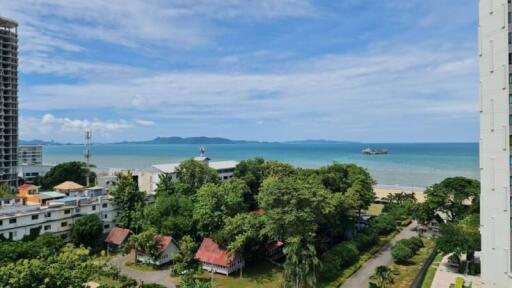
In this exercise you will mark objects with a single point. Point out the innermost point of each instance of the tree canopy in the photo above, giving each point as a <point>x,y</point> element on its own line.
<point>86,230</point>
<point>75,171</point>
<point>129,202</point>
<point>191,175</point>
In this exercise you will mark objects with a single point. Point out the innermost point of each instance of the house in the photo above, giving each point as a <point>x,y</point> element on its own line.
<point>274,250</point>
<point>69,188</point>
<point>216,259</point>
<point>117,237</point>
<point>168,250</point>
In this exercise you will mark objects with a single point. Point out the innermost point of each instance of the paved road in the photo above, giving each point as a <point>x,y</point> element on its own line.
<point>159,277</point>
<point>361,279</point>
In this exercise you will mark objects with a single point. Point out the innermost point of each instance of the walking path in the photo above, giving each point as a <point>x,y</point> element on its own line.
<point>382,258</point>
<point>447,274</point>
<point>158,276</point>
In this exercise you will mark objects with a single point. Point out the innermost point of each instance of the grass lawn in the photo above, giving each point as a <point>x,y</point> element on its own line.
<point>109,282</point>
<point>431,272</point>
<point>375,209</point>
<point>407,273</point>
<point>262,274</point>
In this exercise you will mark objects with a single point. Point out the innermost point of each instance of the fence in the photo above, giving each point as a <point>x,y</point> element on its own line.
<point>418,281</point>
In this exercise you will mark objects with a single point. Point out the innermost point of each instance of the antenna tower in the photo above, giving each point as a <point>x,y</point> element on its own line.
<point>87,152</point>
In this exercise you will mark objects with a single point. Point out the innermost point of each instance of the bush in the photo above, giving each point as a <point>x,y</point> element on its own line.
<point>342,255</point>
<point>414,243</point>
<point>383,224</point>
<point>401,252</point>
<point>366,239</point>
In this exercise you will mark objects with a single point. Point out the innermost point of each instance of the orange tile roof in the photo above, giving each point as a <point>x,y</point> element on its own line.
<point>68,186</point>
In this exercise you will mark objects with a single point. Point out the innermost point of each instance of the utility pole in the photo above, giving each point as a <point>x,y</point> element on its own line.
<point>87,152</point>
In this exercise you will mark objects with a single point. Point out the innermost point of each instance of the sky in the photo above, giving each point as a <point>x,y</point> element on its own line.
<point>360,70</point>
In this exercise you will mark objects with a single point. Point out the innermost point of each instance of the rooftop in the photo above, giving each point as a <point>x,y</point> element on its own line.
<point>117,235</point>
<point>211,252</point>
<point>8,23</point>
<point>50,195</point>
<point>217,165</point>
<point>68,186</point>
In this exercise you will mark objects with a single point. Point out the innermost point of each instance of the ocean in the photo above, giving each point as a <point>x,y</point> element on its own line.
<point>414,165</point>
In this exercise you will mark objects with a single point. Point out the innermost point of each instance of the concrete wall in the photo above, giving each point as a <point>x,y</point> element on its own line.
<point>495,143</point>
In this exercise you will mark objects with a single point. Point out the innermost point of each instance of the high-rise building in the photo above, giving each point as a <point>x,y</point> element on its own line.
<point>495,50</point>
<point>30,155</point>
<point>8,100</point>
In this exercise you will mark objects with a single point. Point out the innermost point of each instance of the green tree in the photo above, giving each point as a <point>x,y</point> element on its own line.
<point>360,194</point>
<point>128,201</point>
<point>252,171</point>
<point>165,186</point>
<point>242,233</point>
<point>147,243</point>
<point>382,278</point>
<point>294,206</point>
<point>6,191</point>
<point>454,196</point>
<point>302,264</point>
<point>70,268</point>
<point>171,215</point>
<point>278,169</point>
<point>69,171</point>
<point>86,230</point>
<point>191,175</point>
<point>460,237</point>
<point>214,202</point>
<point>184,261</point>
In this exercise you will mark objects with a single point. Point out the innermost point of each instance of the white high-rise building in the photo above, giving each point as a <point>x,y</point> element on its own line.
<point>495,47</point>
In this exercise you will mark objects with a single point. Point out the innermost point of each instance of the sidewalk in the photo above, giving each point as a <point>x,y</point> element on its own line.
<point>447,274</point>
<point>382,258</point>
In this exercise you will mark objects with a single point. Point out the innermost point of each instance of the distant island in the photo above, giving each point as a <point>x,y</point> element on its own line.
<point>194,140</point>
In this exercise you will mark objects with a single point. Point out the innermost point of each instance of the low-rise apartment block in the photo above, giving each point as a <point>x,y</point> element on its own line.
<point>51,212</point>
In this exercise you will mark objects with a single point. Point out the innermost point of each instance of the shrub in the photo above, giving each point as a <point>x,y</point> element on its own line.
<point>401,252</point>
<point>366,238</point>
<point>383,224</point>
<point>342,255</point>
<point>414,243</point>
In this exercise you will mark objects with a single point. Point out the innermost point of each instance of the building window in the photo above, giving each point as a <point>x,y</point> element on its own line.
<point>35,217</point>
<point>105,205</point>
<point>47,227</point>
<point>48,214</point>
<point>93,207</point>
<point>1,222</point>
<point>77,210</point>
<point>63,224</point>
<point>105,216</point>
<point>67,211</point>
<point>12,220</point>
<point>106,226</point>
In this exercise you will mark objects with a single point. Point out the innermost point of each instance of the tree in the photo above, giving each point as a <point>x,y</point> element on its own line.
<point>165,186</point>
<point>184,261</point>
<point>382,278</point>
<point>278,169</point>
<point>453,197</point>
<point>44,246</point>
<point>461,237</point>
<point>191,175</point>
<point>128,200</point>
<point>302,264</point>
<point>147,243</point>
<point>214,202</point>
<point>75,171</point>
<point>86,230</point>
<point>360,194</point>
<point>70,268</point>
<point>294,206</point>
<point>242,233</point>
<point>171,215</point>
<point>6,191</point>
<point>252,172</point>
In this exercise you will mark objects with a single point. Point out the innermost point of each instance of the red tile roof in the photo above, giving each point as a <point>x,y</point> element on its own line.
<point>25,186</point>
<point>117,235</point>
<point>211,252</point>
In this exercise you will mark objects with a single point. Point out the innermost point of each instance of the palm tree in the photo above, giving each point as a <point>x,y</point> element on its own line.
<point>301,264</point>
<point>382,278</point>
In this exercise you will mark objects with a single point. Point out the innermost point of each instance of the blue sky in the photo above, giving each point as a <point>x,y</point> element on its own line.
<point>365,70</point>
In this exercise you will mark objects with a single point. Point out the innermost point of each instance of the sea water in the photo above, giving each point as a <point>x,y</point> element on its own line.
<point>418,164</point>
